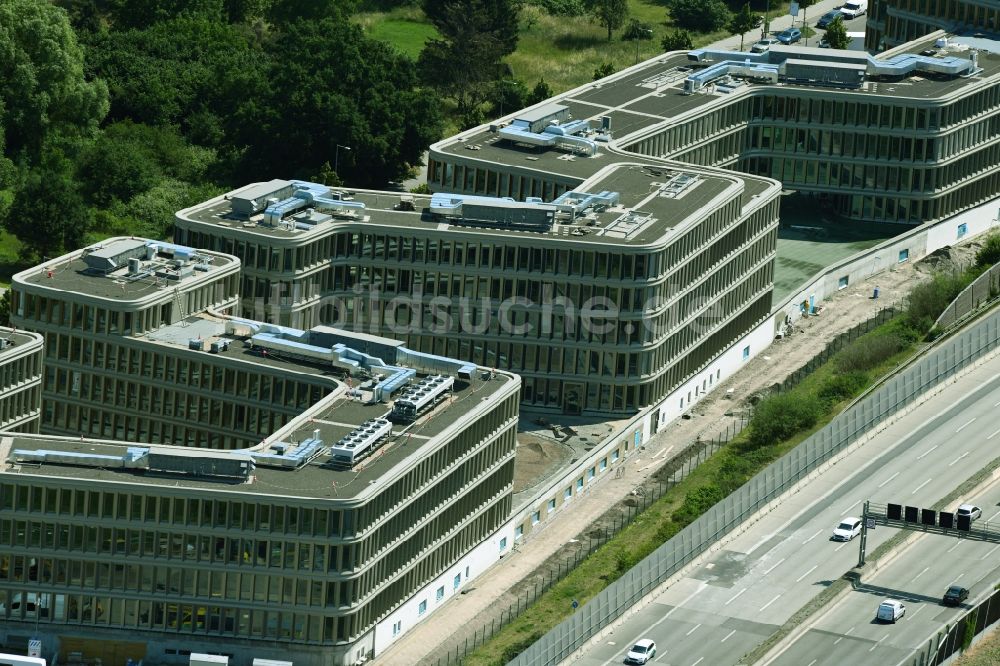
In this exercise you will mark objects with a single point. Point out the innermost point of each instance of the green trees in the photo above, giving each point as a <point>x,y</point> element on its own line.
<point>699,15</point>
<point>48,214</point>
<point>45,98</point>
<point>678,40</point>
<point>330,86</point>
<point>989,253</point>
<point>836,34</point>
<point>743,22</point>
<point>610,14</point>
<point>466,60</point>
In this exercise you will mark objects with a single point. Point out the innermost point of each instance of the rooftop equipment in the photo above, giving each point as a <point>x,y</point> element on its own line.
<point>421,398</point>
<point>360,443</point>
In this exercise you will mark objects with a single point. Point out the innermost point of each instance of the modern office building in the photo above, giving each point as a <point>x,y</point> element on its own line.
<point>909,136</point>
<point>20,380</point>
<point>603,299</point>
<point>386,474</point>
<point>894,22</point>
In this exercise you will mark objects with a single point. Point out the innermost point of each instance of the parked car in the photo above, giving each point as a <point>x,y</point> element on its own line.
<point>848,528</point>
<point>823,44</point>
<point>973,512</point>
<point>826,19</point>
<point>854,9</point>
<point>764,45</point>
<point>789,36</point>
<point>641,652</point>
<point>890,610</point>
<point>955,595</point>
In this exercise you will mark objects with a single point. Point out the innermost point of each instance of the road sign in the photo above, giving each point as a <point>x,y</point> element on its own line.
<point>34,648</point>
<point>870,524</point>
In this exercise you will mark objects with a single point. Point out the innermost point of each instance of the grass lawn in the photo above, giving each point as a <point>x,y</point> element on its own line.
<point>564,51</point>
<point>646,532</point>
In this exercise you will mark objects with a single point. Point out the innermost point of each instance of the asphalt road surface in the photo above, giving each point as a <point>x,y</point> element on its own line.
<point>727,606</point>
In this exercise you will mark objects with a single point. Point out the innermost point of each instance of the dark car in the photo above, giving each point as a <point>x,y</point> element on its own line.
<point>955,595</point>
<point>789,36</point>
<point>826,19</point>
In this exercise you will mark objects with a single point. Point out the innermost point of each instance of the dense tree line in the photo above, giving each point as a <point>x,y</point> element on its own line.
<point>116,113</point>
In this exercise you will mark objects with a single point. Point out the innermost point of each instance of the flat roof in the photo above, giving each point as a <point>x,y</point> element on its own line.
<point>72,272</point>
<point>634,179</point>
<point>14,340</point>
<point>340,414</point>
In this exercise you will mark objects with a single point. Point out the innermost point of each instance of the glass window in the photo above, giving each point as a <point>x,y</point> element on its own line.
<point>439,595</point>
<point>844,280</point>
<point>535,517</point>
<point>552,504</point>
<point>963,229</point>
<point>503,547</point>
<point>903,255</point>
<point>518,532</point>
<point>456,581</point>
<point>746,354</point>
<point>422,607</point>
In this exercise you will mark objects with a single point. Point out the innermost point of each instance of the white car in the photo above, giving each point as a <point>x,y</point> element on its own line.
<point>764,45</point>
<point>890,610</point>
<point>848,528</point>
<point>854,9</point>
<point>969,510</point>
<point>641,652</point>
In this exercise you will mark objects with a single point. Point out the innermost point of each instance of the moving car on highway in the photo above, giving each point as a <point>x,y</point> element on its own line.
<point>890,610</point>
<point>848,528</point>
<point>955,595</point>
<point>641,652</point>
<point>969,510</point>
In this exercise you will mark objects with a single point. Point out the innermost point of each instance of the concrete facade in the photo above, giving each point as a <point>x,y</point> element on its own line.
<point>290,524</point>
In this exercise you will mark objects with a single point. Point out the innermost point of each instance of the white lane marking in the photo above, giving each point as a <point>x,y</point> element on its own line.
<point>872,648</point>
<point>846,633</point>
<point>735,596</point>
<point>957,544</point>
<point>813,537</point>
<point>700,659</point>
<point>962,427</point>
<point>760,543</point>
<point>813,662</point>
<point>920,486</point>
<point>993,516</point>
<point>914,613</point>
<point>926,569</point>
<point>770,602</point>
<point>837,549</point>
<point>965,454</point>
<point>993,434</point>
<point>728,636</point>
<point>888,480</point>
<point>693,629</point>
<point>775,566</point>
<point>927,451</point>
<point>848,510</point>
<point>799,579</point>
<point>649,629</point>
<point>992,550</point>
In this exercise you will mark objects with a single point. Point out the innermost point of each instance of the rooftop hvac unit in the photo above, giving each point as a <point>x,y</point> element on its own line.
<point>134,266</point>
<point>197,344</point>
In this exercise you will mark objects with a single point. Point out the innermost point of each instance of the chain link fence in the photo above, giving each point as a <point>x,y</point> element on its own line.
<point>894,394</point>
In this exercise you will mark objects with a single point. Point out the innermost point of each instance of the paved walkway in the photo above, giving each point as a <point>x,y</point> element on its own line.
<point>490,593</point>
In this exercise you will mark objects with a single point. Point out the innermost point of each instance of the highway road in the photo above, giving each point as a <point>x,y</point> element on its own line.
<point>847,632</point>
<point>729,604</point>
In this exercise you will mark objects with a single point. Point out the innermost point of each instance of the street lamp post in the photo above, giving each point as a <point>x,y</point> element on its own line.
<point>336,159</point>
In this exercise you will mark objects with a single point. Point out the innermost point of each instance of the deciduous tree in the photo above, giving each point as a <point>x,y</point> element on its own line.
<point>46,95</point>
<point>743,22</point>
<point>678,40</point>
<point>836,34</point>
<point>610,14</point>
<point>699,15</point>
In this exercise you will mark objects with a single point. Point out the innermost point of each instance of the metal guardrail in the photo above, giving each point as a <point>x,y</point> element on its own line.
<point>896,393</point>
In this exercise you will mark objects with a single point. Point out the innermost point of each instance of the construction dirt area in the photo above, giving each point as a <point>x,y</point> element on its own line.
<point>600,504</point>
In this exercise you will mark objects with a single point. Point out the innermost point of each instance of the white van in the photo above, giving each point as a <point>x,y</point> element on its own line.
<point>854,8</point>
<point>890,610</point>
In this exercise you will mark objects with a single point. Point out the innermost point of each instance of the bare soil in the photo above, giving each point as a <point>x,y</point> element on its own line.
<point>602,504</point>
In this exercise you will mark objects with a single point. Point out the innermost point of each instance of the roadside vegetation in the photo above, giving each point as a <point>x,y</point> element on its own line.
<point>779,423</point>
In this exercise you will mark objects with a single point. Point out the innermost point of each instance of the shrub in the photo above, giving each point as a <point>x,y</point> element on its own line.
<point>697,502</point>
<point>989,253</point>
<point>928,300</point>
<point>678,40</point>
<point>843,386</point>
<point>700,15</point>
<point>779,416</point>
<point>561,7</point>
<point>511,651</point>
<point>637,30</point>
<point>605,70</point>
<point>868,353</point>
